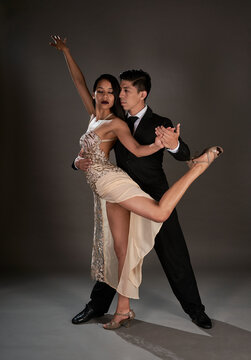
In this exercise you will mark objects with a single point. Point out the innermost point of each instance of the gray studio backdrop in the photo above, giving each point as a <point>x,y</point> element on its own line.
<point>197,55</point>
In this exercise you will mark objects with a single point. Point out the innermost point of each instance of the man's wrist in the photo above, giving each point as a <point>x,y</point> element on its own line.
<point>175,150</point>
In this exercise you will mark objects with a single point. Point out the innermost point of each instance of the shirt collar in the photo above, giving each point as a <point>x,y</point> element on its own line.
<point>140,114</point>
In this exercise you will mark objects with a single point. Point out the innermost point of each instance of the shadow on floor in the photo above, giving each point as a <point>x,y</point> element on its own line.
<point>225,342</point>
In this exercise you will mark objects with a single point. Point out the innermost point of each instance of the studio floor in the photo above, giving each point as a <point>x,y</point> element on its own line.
<point>36,312</point>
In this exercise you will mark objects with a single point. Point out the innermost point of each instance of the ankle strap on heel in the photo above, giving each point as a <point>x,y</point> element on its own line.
<point>129,313</point>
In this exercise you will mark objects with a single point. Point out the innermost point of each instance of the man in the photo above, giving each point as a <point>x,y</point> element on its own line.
<point>147,171</point>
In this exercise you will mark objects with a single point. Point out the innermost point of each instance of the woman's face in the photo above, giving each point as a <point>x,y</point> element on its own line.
<point>103,95</point>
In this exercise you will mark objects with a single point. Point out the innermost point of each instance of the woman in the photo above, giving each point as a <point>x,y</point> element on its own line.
<point>122,195</point>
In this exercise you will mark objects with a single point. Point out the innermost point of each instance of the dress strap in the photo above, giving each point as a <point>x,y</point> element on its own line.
<point>107,140</point>
<point>107,117</point>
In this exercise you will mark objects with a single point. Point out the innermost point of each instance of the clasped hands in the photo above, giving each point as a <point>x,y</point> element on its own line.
<point>168,137</point>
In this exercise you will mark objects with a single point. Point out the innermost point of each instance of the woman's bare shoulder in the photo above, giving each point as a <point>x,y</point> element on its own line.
<point>118,122</point>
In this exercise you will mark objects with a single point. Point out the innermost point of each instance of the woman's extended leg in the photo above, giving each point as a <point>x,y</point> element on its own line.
<point>119,220</point>
<point>160,211</point>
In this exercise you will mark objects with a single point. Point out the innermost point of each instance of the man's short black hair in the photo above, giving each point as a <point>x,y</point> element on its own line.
<point>139,78</point>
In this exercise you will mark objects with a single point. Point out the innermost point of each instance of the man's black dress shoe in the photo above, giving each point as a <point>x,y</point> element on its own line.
<point>202,320</point>
<point>85,315</point>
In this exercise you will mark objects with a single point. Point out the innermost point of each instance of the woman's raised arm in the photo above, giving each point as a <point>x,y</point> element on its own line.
<point>76,74</point>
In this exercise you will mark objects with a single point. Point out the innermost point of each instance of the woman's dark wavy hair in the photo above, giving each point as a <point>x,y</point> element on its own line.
<point>117,108</point>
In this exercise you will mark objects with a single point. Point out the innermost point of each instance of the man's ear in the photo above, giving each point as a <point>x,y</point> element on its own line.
<point>93,95</point>
<point>143,94</point>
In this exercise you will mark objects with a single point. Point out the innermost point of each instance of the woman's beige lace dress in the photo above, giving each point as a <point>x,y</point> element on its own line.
<point>110,183</point>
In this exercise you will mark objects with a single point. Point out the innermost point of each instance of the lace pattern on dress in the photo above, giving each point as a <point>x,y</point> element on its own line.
<point>100,166</point>
<point>97,263</point>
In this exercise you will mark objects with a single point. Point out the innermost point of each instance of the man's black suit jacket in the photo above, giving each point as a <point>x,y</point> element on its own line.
<point>147,171</point>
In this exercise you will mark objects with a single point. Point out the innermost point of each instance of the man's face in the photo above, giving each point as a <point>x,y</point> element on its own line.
<point>130,99</point>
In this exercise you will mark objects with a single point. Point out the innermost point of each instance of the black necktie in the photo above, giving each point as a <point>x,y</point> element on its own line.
<point>130,121</point>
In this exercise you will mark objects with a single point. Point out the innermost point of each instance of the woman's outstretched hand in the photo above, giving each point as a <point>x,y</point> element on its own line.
<point>58,43</point>
<point>169,136</point>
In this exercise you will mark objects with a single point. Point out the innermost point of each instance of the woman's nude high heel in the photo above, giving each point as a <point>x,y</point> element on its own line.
<point>215,150</point>
<point>112,325</point>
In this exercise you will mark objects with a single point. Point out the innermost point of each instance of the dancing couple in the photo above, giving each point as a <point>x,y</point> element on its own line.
<point>134,210</point>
